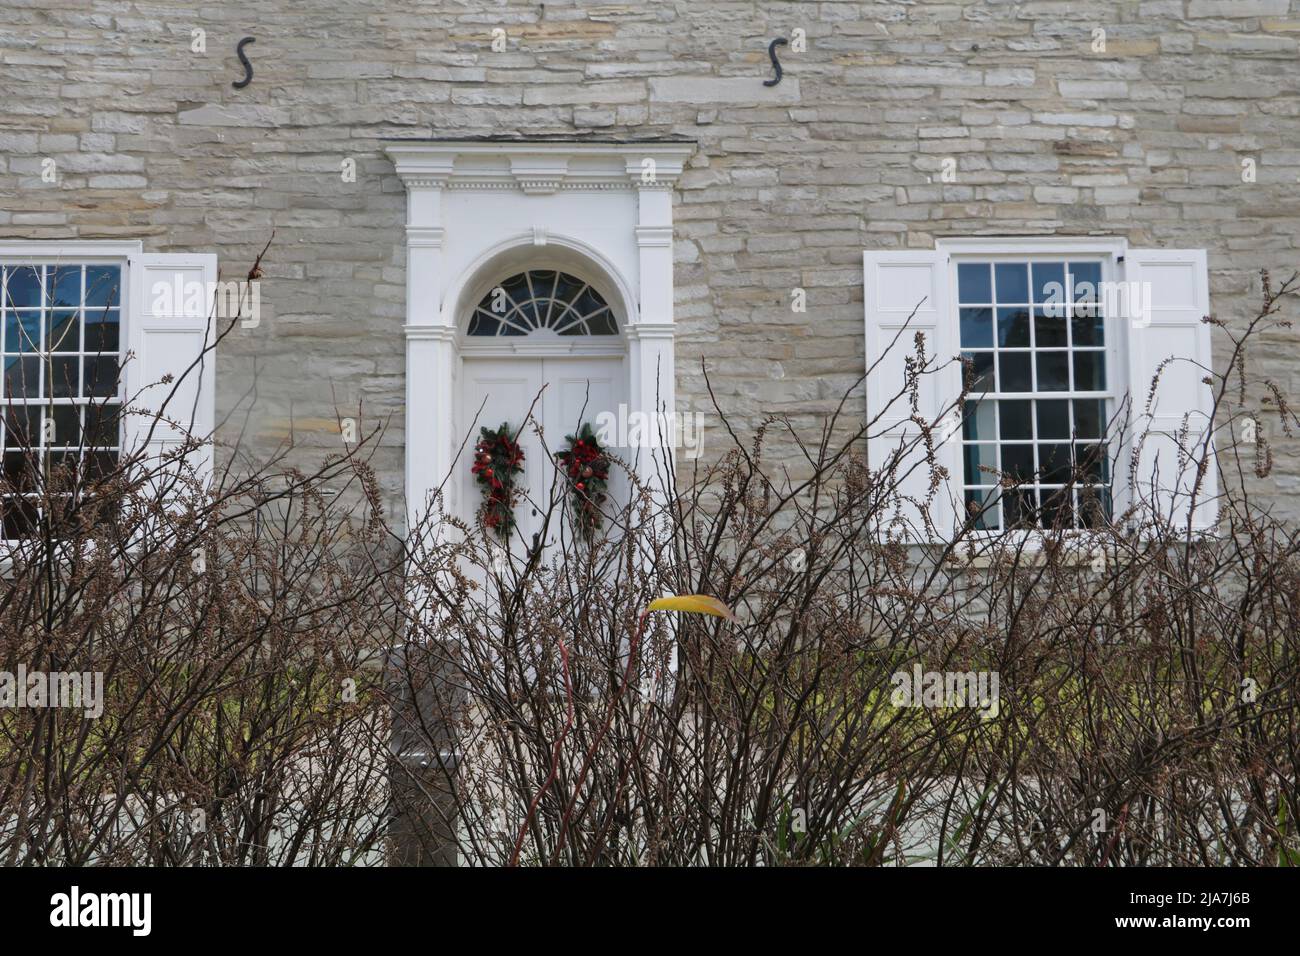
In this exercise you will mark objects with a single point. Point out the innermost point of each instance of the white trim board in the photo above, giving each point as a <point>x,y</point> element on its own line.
<point>82,250</point>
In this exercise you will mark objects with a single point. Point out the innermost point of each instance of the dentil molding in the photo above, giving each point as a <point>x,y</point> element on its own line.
<point>539,167</point>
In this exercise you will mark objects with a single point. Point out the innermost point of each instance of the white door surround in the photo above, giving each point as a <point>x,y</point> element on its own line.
<point>479,211</point>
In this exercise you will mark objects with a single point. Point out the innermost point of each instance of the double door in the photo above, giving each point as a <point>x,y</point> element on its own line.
<point>501,390</point>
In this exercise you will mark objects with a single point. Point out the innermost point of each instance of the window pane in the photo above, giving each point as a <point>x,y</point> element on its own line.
<point>979,423</point>
<point>102,425</point>
<point>1058,510</point>
<point>101,464</point>
<point>1054,464</point>
<point>566,287</point>
<point>1085,277</point>
<point>1014,418</point>
<point>1053,371</point>
<point>64,332</point>
<point>100,376</point>
<point>1089,417</point>
<point>1018,462</point>
<point>21,518</point>
<point>516,289</point>
<point>589,302</point>
<point>1088,329</point>
<point>65,287</point>
<point>61,376</point>
<point>1056,306</point>
<point>67,424</point>
<point>978,458</point>
<point>1053,418</point>
<point>1089,371</point>
<point>20,471</point>
<point>22,377</point>
<point>103,286</point>
<point>480,323</point>
<point>102,330</point>
<point>1013,283</point>
<point>1094,465</point>
<point>22,331</point>
<point>980,507</point>
<point>529,315</point>
<point>1049,330</point>
<point>573,328</point>
<point>22,427</point>
<point>1013,328</point>
<point>1013,370</point>
<point>64,466</point>
<point>980,371</point>
<point>977,328</point>
<point>973,283</point>
<point>23,289</point>
<point>602,324</point>
<point>1049,282</point>
<point>1094,507</point>
<point>1019,507</point>
<point>543,284</point>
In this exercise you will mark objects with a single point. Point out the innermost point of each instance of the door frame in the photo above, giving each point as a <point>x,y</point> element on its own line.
<point>603,208</point>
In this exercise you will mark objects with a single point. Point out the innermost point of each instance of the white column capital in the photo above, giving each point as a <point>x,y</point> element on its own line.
<point>430,333</point>
<point>424,237</point>
<point>651,236</point>
<point>644,331</point>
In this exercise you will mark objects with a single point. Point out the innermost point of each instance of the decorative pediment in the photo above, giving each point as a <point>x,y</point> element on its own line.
<point>539,166</point>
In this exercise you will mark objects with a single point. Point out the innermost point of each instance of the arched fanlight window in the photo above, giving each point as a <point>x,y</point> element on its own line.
<point>542,299</point>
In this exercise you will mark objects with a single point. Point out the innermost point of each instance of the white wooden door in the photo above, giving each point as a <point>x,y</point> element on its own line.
<point>578,389</point>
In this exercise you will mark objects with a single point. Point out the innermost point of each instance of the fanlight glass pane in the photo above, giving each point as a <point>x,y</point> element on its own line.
<point>542,299</point>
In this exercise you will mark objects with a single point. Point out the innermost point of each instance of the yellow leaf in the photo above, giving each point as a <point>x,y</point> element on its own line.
<point>693,604</point>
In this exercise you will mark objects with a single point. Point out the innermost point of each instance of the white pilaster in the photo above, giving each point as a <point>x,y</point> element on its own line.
<point>651,341</point>
<point>430,346</point>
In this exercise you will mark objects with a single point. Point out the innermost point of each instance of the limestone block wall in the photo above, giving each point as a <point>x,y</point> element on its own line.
<point>1071,117</point>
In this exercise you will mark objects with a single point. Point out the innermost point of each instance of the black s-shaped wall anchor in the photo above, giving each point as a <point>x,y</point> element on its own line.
<point>776,64</point>
<point>248,67</point>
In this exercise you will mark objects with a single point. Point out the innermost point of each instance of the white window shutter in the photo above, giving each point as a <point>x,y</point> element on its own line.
<point>1163,458</point>
<point>170,332</point>
<point>900,286</point>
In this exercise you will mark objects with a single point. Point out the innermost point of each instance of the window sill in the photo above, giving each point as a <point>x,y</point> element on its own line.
<point>1030,549</point>
<point>9,545</point>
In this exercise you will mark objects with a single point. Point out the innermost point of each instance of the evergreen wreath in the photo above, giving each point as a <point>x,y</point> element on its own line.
<point>586,466</point>
<point>498,459</point>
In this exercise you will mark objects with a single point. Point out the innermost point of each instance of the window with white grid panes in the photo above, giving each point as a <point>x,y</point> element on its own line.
<point>1034,448</point>
<point>60,336</point>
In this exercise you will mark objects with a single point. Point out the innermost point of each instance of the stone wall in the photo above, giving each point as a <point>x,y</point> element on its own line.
<point>1051,134</point>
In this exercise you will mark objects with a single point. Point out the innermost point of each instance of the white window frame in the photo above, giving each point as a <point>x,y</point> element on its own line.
<point>81,252</point>
<point>1111,252</point>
